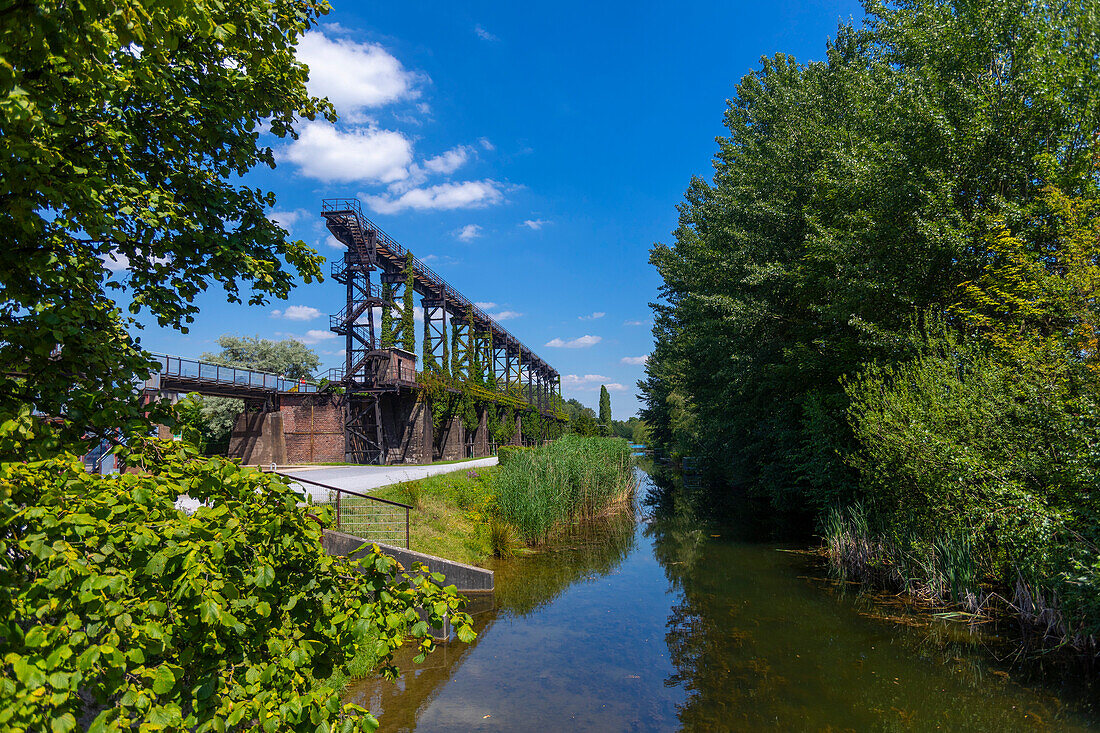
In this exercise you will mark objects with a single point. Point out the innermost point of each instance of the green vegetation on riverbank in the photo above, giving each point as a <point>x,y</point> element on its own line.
<point>883,311</point>
<point>572,478</point>
<point>451,513</point>
<point>472,515</point>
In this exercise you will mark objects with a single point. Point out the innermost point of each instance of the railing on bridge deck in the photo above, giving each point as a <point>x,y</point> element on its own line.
<point>367,517</point>
<point>193,370</point>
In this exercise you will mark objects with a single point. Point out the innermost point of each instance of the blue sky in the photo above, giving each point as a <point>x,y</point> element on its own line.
<point>531,154</point>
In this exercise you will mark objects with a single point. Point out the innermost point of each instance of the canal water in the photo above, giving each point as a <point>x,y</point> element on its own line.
<point>656,621</point>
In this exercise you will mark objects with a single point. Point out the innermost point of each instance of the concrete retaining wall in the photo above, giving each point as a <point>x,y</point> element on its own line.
<point>466,578</point>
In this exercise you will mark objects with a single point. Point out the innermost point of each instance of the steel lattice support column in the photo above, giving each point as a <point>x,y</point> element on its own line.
<point>435,334</point>
<point>356,320</point>
<point>500,363</point>
<point>394,305</point>
<point>483,343</point>
<point>461,353</point>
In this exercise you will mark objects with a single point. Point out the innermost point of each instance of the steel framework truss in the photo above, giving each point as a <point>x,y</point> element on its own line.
<point>475,342</point>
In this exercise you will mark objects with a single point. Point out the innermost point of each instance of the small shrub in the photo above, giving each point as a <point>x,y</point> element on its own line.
<point>505,452</point>
<point>502,538</point>
<point>411,491</point>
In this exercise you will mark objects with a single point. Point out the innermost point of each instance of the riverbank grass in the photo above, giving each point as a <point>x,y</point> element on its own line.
<point>451,515</point>
<point>472,515</point>
<point>538,491</point>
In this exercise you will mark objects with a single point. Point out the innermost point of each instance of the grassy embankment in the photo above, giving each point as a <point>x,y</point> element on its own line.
<point>472,515</point>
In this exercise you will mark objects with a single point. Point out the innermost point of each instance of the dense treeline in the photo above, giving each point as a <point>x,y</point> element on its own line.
<point>885,300</point>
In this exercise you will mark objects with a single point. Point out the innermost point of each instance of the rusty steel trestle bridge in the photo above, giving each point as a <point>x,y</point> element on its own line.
<point>509,372</point>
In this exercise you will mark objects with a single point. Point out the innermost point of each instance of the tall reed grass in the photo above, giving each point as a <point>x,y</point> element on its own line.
<point>942,570</point>
<point>537,491</point>
<point>945,571</point>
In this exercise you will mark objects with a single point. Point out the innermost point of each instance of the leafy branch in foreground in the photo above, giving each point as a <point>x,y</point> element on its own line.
<point>123,611</point>
<point>127,127</point>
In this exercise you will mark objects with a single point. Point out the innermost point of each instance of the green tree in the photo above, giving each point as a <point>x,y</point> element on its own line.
<point>289,357</point>
<point>127,127</point>
<point>605,411</point>
<point>849,196</point>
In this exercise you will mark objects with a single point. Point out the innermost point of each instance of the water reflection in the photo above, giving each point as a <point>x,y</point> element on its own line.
<point>592,550</point>
<point>761,641</point>
<point>664,622</point>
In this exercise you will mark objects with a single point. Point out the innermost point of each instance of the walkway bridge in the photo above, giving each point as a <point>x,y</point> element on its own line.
<point>178,375</point>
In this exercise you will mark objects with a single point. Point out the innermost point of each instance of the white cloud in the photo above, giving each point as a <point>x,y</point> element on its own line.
<point>333,242</point>
<point>589,382</point>
<point>354,75</point>
<point>312,336</point>
<point>635,323</point>
<point>116,261</point>
<point>297,313</point>
<point>445,196</point>
<point>449,161</point>
<point>442,164</point>
<point>572,380</point>
<point>593,316</point>
<point>484,141</point>
<point>468,233</point>
<point>577,343</point>
<point>535,224</point>
<point>359,154</point>
<point>441,259</point>
<point>484,34</point>
<point>287,219</point>
<point>503,315</point>
<point>635,360</point>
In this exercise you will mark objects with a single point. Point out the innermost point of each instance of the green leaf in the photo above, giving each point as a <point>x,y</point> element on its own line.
<point>36,637</point>
<point>465,634</point>
<point>164,679</point>
<point>29,674</point>
<point>63,723</point>
<point>209,611</point>
<point>265,576</point>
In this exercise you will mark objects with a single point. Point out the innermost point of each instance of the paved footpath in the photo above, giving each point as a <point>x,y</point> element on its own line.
<point>357,478</point>
<point>366,478</point>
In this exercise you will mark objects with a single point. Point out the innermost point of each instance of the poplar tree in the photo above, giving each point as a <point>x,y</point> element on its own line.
<point>605,410</point>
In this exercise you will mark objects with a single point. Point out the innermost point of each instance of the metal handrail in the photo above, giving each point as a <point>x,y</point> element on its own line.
<point>340,491</point>
<point>173,366</point>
